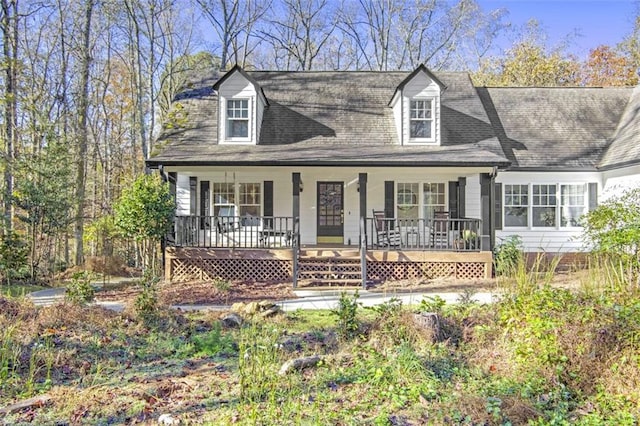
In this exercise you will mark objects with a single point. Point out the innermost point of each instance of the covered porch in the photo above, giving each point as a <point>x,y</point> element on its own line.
<point>342,227</point>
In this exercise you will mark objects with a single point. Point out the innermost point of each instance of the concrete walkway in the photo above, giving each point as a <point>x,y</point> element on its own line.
<point>326,299</point>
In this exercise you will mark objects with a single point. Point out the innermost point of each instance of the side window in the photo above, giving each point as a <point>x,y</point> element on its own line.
<point>543,206</point>
<point>516,205</point>
<point>572,204</point>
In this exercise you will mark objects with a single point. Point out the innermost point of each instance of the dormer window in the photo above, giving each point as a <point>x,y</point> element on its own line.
<point>238,118</point>
<point>421,119</point>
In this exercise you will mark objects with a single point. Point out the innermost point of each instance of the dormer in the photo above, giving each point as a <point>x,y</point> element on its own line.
<point>241,104</point>
<point>416,108</point>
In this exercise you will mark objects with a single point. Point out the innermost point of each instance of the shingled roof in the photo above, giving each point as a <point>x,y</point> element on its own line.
<point>344,119</point>
<point>331,118</point>
<point>625,147</point>
<point>555,128</point>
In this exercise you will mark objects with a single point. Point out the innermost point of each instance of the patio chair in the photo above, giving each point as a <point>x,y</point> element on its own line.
<point>440,230</point>
<point>387,233</point>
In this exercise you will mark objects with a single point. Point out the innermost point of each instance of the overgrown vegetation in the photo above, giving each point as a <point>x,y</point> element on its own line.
<point>542,356</point>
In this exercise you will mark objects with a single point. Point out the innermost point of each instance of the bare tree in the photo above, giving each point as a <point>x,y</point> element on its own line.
<point>84,54</point>
<point>9,27</point>
<point>298,32</point>
<point>233,22</point>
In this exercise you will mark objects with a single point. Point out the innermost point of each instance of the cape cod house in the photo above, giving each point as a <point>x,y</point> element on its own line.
<point>376,175</point>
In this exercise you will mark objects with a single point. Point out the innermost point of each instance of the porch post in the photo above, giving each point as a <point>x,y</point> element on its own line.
<point>295,177</point>
<point>362,185</point>
<point>487,197</point>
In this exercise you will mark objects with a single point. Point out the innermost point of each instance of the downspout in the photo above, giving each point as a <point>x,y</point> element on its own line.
<point>492,212</point>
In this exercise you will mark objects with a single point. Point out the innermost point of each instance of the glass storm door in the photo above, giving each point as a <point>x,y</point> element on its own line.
<point>330,212</point>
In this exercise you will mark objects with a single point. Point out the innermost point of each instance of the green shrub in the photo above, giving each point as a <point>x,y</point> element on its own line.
<point>146,304</point>
<point>215,342</point>
<point>80,290</point>
<point>347,322</point>
<point>507,255</point>
<point>13,257</point>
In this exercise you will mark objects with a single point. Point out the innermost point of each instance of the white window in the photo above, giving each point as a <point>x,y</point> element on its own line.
<point>237,118</point>
<point>572,204</point>
<point>410,203</point>
<point>433,199</point>
<point>223,199</point>
<point>516,205</point>
<point>547,207</point>
<point>421,119</point>
<point>543,206</point>
<point>407,201</point>
<point>232,200</point>
<point>249,199</point>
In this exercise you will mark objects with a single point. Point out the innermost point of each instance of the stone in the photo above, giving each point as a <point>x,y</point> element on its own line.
<point>251,308</point>
<point>238,307</point>
<point>168,419</point>
<point>232,320</point>
<point>299,364</point>
<point>274,310</point>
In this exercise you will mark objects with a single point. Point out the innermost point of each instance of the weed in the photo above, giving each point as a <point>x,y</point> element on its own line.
<point>507,255</point>
<point>80,290</point>
<point>347,316</point>
<point>215,342</point>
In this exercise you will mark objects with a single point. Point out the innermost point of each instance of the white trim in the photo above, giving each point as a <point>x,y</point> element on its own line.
<point>558,206</point>
<point>421,140</point>
<point>250,108</point>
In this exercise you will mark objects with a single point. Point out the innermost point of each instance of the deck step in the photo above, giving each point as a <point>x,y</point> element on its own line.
<point>329,270</point>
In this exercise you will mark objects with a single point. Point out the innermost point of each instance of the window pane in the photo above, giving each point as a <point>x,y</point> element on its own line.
<point>544,216</point>
<point>238,128</point>
<point>515,216</point>
<point>572,199</point>
<point>420,129</point>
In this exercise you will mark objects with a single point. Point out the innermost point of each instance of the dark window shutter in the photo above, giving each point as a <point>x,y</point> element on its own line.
<point>268,198</point>
<point>173,177</point>
<point>462,193</point>
<point>453,200</point>
<point>205,209</point>
<point>193,196</point>
<point>593,195</point>
<point>498,206</point>
<point>389,190</point>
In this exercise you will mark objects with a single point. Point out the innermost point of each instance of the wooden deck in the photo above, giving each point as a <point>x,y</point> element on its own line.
<point>326,264</point>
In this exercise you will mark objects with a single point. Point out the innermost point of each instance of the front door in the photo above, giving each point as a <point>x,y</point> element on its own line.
<point>330,212</point>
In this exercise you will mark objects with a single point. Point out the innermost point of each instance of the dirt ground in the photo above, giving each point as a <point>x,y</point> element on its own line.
<point>223,293</point>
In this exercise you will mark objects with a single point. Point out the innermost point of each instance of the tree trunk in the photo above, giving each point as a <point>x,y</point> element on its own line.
<point>9,27</point>
<point>83,107</point>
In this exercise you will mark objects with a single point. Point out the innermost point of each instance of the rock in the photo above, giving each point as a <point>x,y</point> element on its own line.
<point>168,419</point>
<point>299,364</point>
<point>251,308</point>
<point>266,305</point>
<point>274,310</point>
<point>232,320</point>
<point>238,307</point>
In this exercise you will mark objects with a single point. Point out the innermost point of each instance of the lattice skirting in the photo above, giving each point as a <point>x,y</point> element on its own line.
<point>383,271</point>
<point>272,270</point>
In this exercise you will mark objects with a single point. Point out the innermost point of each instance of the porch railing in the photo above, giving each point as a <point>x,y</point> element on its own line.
<point>462,234</point>
<point>232,232</point>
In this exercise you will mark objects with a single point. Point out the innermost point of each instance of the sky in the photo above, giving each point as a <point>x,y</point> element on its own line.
<point>589,23</point>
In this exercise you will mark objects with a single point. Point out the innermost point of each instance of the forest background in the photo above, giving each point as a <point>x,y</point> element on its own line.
<point>85,86</point>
